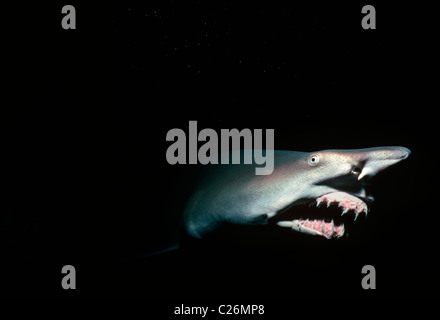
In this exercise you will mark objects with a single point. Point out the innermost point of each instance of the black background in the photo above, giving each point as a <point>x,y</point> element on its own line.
<point>88,182</point>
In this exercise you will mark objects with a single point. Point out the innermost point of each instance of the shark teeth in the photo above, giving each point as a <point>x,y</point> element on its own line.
<point>328,230</point>
<point>345,201</point>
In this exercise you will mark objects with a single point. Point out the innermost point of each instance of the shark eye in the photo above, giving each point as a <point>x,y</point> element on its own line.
<point>313,159</point>
<point>356,171</point>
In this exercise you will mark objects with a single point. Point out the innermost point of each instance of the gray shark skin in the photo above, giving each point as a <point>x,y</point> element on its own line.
<point>234,194</point>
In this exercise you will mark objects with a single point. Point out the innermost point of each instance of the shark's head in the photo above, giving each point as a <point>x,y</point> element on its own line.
<point>337,178</point>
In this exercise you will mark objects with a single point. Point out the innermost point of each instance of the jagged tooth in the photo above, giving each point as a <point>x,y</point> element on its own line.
<point>333,228</point>
<point>314,224</point>
<point>305,222</point>
<point>344,211</point>
<point>356,216</point>
<point>318,202</point>
<point>342,230</point>
<point>328,204</point>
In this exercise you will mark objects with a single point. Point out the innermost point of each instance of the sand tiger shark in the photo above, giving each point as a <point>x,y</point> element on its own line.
<point>325,179</point>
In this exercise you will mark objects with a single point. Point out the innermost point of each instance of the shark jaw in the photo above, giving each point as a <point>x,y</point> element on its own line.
<point>336,210</point>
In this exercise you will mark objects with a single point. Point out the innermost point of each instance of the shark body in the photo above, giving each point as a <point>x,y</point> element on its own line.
<point>234,194</point>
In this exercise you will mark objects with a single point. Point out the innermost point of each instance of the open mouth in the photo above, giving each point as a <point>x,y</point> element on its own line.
<point>327,216</point>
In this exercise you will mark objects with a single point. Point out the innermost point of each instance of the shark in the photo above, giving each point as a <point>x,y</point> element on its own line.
<point>314,193</point>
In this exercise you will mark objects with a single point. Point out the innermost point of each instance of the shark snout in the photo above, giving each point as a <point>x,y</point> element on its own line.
<point>406,152</point>
<point>398,153</point>
<point>380,158</point>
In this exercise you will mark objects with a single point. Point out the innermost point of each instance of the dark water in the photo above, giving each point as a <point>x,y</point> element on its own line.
<point>89,182</point>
